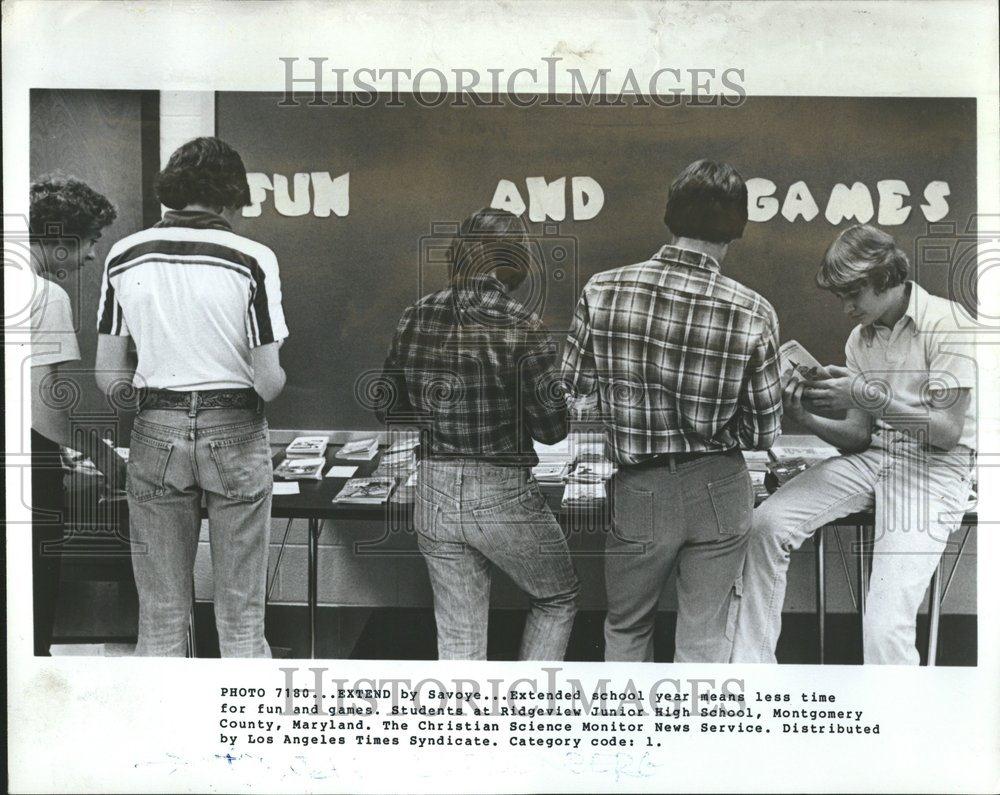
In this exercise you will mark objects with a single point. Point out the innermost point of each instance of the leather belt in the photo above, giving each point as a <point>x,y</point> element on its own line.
<point>203,399</point>
<point>676,459</point>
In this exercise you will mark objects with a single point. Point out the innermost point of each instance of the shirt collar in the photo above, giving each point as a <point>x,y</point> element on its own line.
<point>479,282</point>
<point>916,311</point>
<point>675,255</point>
<point>195,219</point>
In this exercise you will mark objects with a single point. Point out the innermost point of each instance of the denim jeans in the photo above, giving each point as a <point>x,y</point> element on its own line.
<point>919,500</point>
<point>177,457</point>
<point>695,515</point>
<point>471,516</point>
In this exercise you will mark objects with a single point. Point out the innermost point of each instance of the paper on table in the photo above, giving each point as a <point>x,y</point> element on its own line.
<point>281,487</point>
<point>341,472</point>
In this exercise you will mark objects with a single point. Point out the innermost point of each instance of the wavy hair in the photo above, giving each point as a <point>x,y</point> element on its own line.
<point>67,207</point>
<point>204,171</point>
<point>863,254</point>
<point>707,201</point>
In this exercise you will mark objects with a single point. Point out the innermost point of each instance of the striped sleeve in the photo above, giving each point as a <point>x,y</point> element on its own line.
<point>110,318</point>
<point>265,317</point>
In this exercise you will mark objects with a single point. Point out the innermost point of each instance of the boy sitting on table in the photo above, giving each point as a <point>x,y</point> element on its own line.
<point>908,442</point>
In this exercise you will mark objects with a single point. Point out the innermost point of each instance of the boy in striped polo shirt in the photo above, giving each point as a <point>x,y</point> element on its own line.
<point>203,306</point>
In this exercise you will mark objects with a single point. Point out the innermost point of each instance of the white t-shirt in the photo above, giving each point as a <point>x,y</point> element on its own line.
<point>195,297</point>
<point>53,332</point>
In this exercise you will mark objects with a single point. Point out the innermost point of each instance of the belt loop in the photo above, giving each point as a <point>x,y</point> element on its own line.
<point>673,464</point>
<point>193,411</point>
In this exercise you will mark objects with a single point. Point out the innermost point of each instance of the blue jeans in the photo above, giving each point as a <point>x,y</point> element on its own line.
<point>695,517</point>
<point>176,458</point>
<point>472,515</point>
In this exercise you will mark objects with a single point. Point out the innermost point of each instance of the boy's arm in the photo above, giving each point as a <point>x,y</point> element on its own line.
<point>938,421</point>
<point>939,418</point>
<point>759,410</point>
<point>579,369</point>
<point>543,394</point>
<point>853,434</point>
<point>393,377</point>
<point>51,419</point>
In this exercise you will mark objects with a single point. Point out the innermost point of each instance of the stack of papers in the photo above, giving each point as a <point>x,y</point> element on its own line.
<point>366,491</point>
<point>593,471</point>
<point>402,444</point>
<point>300,469</point>
<point>359,450</point>
<point>551,472</point>
<point>400,459</point>
<point>307,447</point>
<point>578,494</point>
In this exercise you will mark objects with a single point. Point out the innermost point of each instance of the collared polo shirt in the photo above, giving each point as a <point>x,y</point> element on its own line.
<point>928,350</point>
<point>195,297</point>
<point>682,357</point>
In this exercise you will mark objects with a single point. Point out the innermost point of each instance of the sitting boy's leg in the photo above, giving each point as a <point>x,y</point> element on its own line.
<point>918,508</point>
<point>824,492</point>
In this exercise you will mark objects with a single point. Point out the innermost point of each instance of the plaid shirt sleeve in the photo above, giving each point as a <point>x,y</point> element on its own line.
<point>393,376</point>
<point>760,401</point>
<point>543,396</point>
<point>579,368</point>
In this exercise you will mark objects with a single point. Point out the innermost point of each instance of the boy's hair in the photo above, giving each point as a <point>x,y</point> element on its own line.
<point>488,239</point>
<point>863,254</point>
<point>707,201</point>
<point>204,171</point>
<point>63,207</point>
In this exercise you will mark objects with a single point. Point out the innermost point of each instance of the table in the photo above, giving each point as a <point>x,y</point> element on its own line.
<point>314,503</point>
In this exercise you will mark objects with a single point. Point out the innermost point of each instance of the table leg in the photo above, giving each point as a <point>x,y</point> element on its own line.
<point>862,584</point>
<point>934,615</point>
<point>820,541</point>
<point>192,642</point>
<point>313,583</point>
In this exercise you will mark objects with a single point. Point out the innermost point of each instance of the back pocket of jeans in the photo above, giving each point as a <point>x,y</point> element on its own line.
<point>631,513</point>
<point>732,502</point>
<point>244,465</point>
<point>147,467</point>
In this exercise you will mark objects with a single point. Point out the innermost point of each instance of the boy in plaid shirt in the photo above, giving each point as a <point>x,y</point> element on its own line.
<point>682,362</point>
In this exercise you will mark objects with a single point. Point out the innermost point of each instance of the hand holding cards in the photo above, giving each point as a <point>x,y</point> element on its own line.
<point>797,364</point>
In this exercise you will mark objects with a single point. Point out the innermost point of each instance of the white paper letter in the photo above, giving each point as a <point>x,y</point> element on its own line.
<point>891,211</point>
<point>260,184</point>
<point>506,197</point>
<point>854,202</point>
<point>761,204</point>
<point>546,200</point>
<point>936,207</point>
<point>331,195</point>
<point>799,201</point>
<point>588,198</point>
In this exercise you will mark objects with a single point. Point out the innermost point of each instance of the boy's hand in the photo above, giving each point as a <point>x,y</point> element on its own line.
<point>791,398</point>
<point>837,393</point>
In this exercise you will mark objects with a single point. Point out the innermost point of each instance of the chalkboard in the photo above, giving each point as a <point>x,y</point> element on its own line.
<point>412,171</point>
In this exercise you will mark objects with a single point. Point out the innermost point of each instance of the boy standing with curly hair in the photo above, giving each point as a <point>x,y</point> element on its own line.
<point>65,223</point>
<point>203,306</point>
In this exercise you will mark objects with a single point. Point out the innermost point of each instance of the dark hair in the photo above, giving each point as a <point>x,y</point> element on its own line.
<point>488,239</point>
<point>707,201</point>
<point>863,254</point>
<point>204,171</point>
<point>67,207</point>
